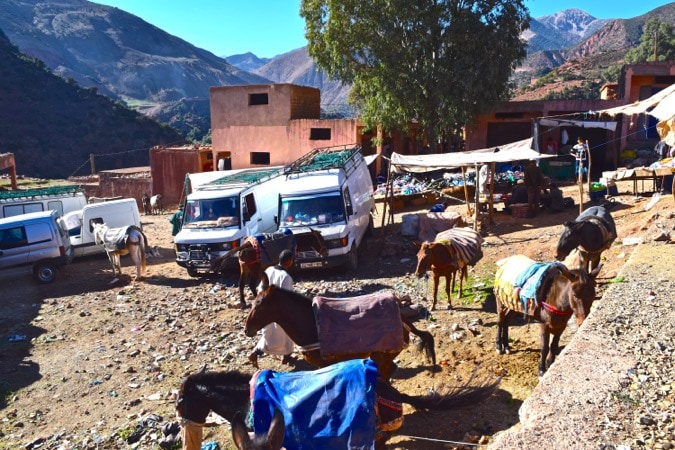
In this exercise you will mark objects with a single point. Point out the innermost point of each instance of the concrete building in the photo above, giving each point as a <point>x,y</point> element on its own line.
<point>274,124</point>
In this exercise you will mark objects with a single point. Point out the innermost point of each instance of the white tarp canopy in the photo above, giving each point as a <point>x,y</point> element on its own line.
<point>562,122</point>
<point>663,103</point>
<point>515,151</point>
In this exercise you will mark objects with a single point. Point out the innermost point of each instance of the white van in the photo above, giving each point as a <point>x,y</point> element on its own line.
<point>34,243</point>
<point>61,199</point>
<point>329,190</point>
<point>114,213</point>
<point>221,212</point>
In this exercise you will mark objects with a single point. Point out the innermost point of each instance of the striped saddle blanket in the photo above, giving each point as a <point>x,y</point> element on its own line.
<point>466,242</point>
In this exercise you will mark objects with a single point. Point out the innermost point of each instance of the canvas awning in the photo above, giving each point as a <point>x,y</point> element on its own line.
<point>663,103</point>
<point>515,151</point>
<point>562,122</point>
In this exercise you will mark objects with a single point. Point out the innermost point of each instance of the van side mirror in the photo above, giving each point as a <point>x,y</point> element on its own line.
<point>276,219</point>
<point>350,210</point>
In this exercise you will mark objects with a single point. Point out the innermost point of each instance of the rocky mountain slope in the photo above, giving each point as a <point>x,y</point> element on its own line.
<point>52,126</point>
<point>116,52</point>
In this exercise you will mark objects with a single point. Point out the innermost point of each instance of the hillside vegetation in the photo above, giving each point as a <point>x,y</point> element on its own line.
<point>52,125</point>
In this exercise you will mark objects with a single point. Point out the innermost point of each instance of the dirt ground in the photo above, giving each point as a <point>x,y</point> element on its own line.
<point>82,360</point>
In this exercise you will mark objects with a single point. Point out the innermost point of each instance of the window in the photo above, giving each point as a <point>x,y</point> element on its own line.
<point>23,208</point>
<point>319,134</point>
<point>257,99</point>
<point>12,238</point>
<point>250,207</point>
<point>56,205</point>
<point>94,221</point>
<point>262,158</point>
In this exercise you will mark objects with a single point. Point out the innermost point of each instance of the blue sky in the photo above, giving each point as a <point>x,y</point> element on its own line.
<point>269,28</point>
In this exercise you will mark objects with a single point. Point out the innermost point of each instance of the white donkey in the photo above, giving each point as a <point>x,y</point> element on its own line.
<point>120,241</point>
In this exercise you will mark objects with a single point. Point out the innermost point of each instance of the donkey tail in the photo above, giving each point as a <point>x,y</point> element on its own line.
<point>426,344</point>
<point>144,245</point>
<point>455,397</point>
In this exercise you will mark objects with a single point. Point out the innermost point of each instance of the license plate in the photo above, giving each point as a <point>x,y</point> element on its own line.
<point>197,255</point>
<point>311,265</point>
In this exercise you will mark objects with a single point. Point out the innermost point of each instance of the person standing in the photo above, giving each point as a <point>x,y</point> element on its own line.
<point>534,180</point>
<point>580,153</point>
<point>274,340</point>
<point>176,221</point>
<point>551,146</point>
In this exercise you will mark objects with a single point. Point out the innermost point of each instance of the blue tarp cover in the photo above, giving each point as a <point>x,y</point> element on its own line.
<point>327,409</point>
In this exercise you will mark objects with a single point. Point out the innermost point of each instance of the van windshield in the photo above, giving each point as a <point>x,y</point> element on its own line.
<point>315,210</point>
<point>210,213</point>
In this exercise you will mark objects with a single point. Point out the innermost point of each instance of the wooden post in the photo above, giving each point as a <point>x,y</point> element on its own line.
<point>491,177</point>
<point>466,194</point>
<point>476,204</point>
<point>91,163</point>
<point>588,156</point>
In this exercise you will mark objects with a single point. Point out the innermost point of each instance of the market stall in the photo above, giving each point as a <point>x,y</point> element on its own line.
<point>515,151</point>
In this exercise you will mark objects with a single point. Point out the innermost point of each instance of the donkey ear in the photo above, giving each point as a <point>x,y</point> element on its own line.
<point>566,272</point>
<point>275,436</point>
<point>265,282</point>
<point>417,244</point>
<point>594,273</point>
<point>240,432</point>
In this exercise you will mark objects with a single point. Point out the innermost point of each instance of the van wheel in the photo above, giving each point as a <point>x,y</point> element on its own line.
<point>193,272</point>
<point>353,259</point>
<point>371,225</point>
<point>46,272</point>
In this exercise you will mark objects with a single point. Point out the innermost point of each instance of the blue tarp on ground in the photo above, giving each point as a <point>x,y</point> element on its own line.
<point>327,409</point>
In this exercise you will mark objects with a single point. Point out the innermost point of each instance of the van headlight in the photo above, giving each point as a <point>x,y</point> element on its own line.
<point>337,243</point>
<point>182,247</point>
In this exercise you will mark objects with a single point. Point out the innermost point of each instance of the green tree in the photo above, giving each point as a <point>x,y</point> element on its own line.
<point>654,31</point>
<point>439,62</point>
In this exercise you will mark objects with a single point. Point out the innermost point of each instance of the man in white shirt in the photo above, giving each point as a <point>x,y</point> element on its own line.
<point>274,340</point>
<point>580,153</point>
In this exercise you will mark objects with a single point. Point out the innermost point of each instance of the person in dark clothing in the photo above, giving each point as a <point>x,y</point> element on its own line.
<point>518,195</point>
<point>534,180</point>
<point>552,199</point>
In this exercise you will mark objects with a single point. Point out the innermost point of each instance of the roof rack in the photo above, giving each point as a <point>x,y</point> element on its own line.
<point>41,192</point>
<point>326,158</point>
<point>243,178</point>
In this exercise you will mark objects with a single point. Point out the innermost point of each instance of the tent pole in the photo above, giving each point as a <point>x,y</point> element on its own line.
<point>477,212</point>
<point>386,200</point>
<point>588,179</point>
<point>491,177</point>
<point>466,194</point>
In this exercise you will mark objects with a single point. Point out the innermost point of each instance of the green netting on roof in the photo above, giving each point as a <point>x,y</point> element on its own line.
<point>251,177</point>
<point>40,192</point>
<point>323,159</point>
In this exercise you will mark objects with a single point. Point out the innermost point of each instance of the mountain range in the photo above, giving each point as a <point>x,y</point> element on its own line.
<point>168,79</point>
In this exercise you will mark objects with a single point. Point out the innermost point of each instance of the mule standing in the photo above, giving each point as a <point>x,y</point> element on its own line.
<point>548,293</point>
<point>452,251</point>
<point>122,241</point>
<point>381,337</point>
<point>156,206</point>
<point>228,394</point>
<point>255,256</point>
<point>145,201</point>
<point>592,232</point>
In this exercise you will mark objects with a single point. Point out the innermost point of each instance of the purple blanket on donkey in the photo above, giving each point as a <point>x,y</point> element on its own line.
<point>361,324</point>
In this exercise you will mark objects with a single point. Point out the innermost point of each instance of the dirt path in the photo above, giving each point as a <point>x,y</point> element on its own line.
<point>98,357</point>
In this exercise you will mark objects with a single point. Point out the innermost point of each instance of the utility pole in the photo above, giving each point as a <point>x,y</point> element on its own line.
<point>656,40</point>
<point>91,163</point>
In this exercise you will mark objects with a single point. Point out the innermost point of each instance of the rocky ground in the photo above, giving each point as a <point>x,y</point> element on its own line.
<point>89,364</point>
